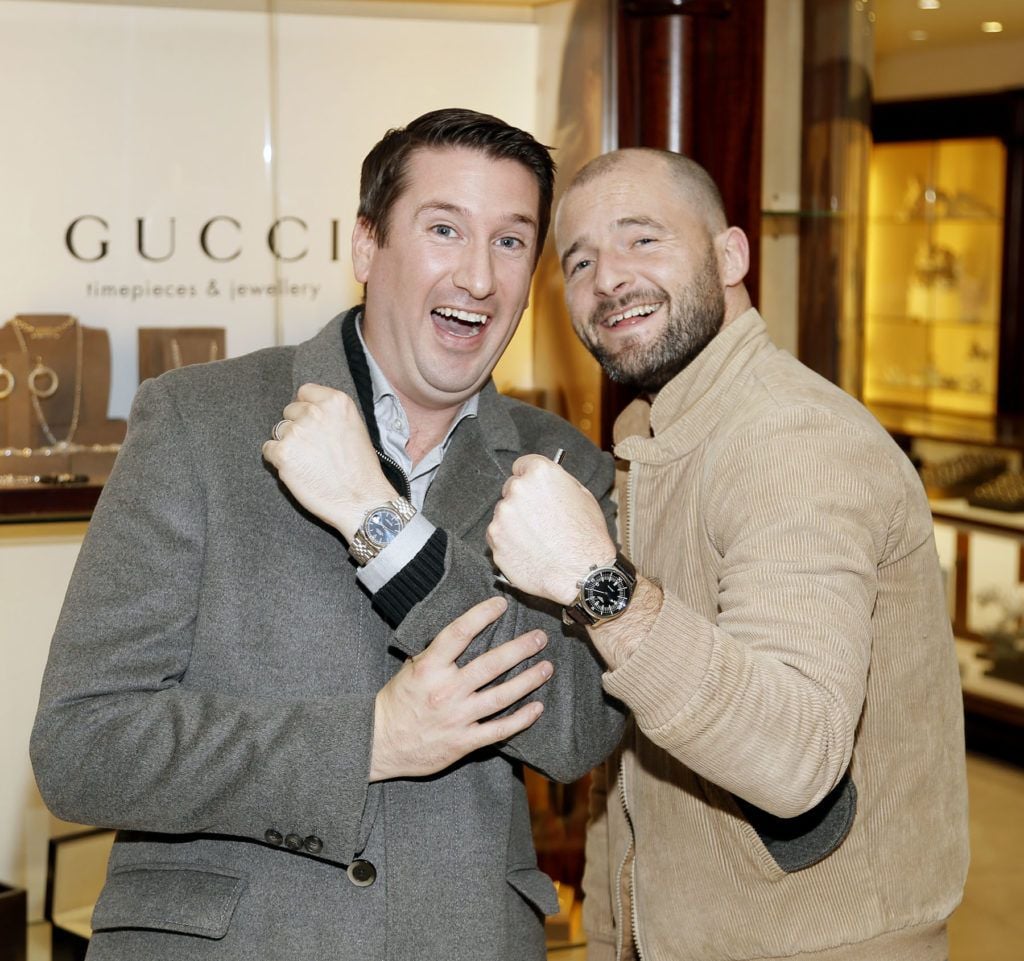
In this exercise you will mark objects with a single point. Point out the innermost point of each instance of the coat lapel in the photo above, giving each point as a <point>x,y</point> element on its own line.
<point>475,466</point>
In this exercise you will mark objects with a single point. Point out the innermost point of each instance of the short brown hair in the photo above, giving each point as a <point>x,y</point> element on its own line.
<point>384,170</point>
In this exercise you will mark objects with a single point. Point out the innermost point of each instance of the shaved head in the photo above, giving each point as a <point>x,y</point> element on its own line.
<point>694,182</point>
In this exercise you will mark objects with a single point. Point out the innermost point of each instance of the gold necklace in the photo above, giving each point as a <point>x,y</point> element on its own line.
<point>44,332</point>
<point>39,370</point>
<point>176,352</point>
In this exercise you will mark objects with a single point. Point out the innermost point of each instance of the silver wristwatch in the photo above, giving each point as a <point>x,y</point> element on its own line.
<point>380,527</point>
<point>605,592</point>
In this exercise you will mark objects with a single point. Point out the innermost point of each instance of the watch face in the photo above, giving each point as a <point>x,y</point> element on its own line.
<point>382,526</point>
<point>606,592</point>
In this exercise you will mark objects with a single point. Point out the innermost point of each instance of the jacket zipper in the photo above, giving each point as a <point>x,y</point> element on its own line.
<point>632,870</point>
<point>622,863</point>
<point>406,492</point>
<point>627,532</point>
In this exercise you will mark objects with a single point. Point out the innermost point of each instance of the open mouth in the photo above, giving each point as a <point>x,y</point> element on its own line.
<point>458,322</point>
<point>631,316</point>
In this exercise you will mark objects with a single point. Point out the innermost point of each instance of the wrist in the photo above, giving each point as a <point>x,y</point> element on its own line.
<point>569,586</point>
<point>350,516</point>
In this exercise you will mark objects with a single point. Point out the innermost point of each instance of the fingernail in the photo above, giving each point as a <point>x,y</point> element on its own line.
<point>546,669</point>
<point>540,639</point>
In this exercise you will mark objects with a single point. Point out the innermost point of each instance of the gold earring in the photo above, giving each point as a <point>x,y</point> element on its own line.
<point>41,370</point>
<point>7,379</point>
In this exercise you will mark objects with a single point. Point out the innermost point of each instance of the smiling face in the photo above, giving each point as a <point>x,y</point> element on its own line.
<point>445,294</point>
<point>642,274</point>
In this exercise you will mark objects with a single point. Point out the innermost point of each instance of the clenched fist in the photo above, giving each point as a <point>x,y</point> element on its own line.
<point>323,455</point>
<point>547,530</point>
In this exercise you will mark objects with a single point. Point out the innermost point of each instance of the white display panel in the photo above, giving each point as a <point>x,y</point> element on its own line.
<point>174,139</point>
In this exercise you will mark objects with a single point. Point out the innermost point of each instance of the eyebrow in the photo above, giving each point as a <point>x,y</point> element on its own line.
<point>450,208</point>
<point>616,225</point>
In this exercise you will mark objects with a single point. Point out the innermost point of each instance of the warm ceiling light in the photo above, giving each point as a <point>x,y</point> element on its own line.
<point>928,4</point>
<point>918,34</point>
<point>992,26</point>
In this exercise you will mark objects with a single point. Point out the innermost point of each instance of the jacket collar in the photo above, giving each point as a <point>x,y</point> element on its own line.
<point>691,405</point>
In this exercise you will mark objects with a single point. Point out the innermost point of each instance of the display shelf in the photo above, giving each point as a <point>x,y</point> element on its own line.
<point>48,503</point>
<point>1001,430</point>
<point>896,221</point>
<point>948,322</point>
<point>958,511</point>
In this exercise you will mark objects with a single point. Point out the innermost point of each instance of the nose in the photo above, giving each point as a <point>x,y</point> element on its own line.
<point>611,275</point>
<point>475,271</point>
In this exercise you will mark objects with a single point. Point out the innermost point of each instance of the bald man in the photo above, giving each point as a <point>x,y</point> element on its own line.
<point>793,782</point>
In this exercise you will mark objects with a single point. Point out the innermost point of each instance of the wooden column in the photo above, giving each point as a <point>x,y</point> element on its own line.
<point>690,79</point>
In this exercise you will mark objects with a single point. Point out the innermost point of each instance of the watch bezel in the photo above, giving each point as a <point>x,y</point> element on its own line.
<point>376,512</point>
<point>623,586</point>
<point>580,611</point>
<point>365,548</point>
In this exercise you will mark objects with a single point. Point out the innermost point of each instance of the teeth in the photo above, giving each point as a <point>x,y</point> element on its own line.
<point>463,315</point>
<point>641,311</point>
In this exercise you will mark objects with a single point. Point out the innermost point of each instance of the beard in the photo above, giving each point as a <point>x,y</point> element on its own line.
<point>696,315</point>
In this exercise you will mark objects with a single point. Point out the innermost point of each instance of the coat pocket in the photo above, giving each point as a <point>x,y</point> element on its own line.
<point>801,842</point>
<point>198,900</point>
<point>536,887</point>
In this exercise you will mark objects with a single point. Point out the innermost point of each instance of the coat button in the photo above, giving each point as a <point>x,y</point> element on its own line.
<point>313,844</point>
<point>362,873</point>
<point>293,842</point>
<point>273,837</point>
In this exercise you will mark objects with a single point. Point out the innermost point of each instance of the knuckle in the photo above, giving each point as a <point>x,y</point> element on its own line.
<point>437,699</point>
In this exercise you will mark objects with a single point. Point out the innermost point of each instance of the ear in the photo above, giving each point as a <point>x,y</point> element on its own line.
<point>363,249</point>
<point>733,256</point>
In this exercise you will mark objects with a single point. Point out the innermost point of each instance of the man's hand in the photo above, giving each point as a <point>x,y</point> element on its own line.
<point>431,713</point>
<point>323,455</point>
<point>547,530</point>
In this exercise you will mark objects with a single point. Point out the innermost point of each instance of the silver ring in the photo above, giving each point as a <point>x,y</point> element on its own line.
<point>278,427</point>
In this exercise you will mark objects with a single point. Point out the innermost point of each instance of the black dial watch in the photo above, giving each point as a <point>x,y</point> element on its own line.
<point>380,527</point>
<point>604,593</point>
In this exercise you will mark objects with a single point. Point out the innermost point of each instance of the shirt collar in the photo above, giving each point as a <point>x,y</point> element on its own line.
<point>382,389</point>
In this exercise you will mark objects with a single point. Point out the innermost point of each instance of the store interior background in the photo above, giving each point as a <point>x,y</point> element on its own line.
<point>263,110</point>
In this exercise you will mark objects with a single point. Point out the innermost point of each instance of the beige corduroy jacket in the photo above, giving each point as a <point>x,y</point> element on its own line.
<point>804,636</point>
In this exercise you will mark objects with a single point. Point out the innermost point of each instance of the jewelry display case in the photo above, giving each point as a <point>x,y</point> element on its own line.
<point>944,330</point>
<point>167,348</point>
<point>980,540</point>
<point>935,238</point>
<point>57,444</point>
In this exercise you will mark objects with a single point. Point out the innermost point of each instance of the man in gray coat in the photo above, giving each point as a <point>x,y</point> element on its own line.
<point>262,675</point>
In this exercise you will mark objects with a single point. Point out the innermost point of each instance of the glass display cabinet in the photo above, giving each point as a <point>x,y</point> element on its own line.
<point>935,249</point>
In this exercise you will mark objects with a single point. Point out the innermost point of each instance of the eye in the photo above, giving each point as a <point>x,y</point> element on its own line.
<point>511,243</point>
<point>578,266</point>
<point>443,230</point>
<point>643,241</point>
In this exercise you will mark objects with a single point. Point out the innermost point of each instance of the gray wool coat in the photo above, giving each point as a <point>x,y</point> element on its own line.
<point>210,692</point>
